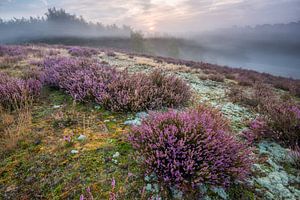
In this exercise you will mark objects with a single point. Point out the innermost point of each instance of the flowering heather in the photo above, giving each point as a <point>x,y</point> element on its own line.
<point>117,91</point>
<point>256,97</point>
<point>82,79</point>
<point>17,92</point>
<point>186,149</point>
<point>258,129</point>
<point>135,92</point>
<point>284,120</point>
<point>82,52</point>
<point>280,122</point>
<point>12,50</point>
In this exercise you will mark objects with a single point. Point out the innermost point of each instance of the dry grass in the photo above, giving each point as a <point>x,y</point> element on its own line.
<point>13,128</point>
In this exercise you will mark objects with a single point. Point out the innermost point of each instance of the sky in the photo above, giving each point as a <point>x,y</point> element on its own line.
<point>167,16</point>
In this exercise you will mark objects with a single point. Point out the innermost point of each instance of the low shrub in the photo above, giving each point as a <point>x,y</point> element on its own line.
<point>230,76</point>
<point>258,130</point>
<point>190,148</point>
<point>135,92</point>
<point>284,120</point>
<point>82,79</point>
<point>279,122</point>
<point>86,80</point>
<point>255,97</point>
<point>6,50</point>
<point>244,82</point>
<point>111,53</point>
<point>235,94</point>
<point>283,85</point>
<point>16,92</point>
<point>82,52</point>
<point>216,77</point>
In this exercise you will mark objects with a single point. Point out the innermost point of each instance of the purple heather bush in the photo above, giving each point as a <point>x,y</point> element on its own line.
<point>82,51</point>
<point>6,50</point>
<point>258,130</point>
<point>190,148</point>
<point>256,97</point>
<point>82,79</point>
<point>16,92</point>
<point>87,80</point>
<point>284,120</point>
<point>135,92</point>
<point>279,122</point>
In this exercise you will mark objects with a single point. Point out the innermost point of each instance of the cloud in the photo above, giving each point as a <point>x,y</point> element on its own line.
<point>169,15</point>
<point>45,2</point>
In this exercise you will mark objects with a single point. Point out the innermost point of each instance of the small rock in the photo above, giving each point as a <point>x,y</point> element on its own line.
<point>141,114</point>
<point>149,187</point>
<point>117,154</point>
<point>114,161</point>
<point>81,137</point>
<point>56,106</point>
<point>74,151</point>
<point>220,192</point>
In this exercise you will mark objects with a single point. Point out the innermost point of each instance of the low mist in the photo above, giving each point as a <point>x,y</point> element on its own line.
<point>267,48</point>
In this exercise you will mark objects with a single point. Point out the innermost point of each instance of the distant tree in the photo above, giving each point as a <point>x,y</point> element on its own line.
<point>137,41</point>
<point>56,23</point>
<point>173,48</point>
<point>60,15</point>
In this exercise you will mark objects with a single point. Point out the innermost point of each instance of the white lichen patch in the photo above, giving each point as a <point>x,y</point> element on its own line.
<point>237,114</point>
<point>208,90</point>
<point>273,181</point>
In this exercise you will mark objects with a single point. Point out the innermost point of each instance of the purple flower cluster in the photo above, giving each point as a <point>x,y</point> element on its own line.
<point>82,51</point>
<point>258,129</point>
<point>280,122</point>
<point>6,50</point>
<point>135,92</point>
<point>17,92</point>
<point>82,79</point>
<point>186,149</point>
<point>284,121</point>
<point>87,80</point>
